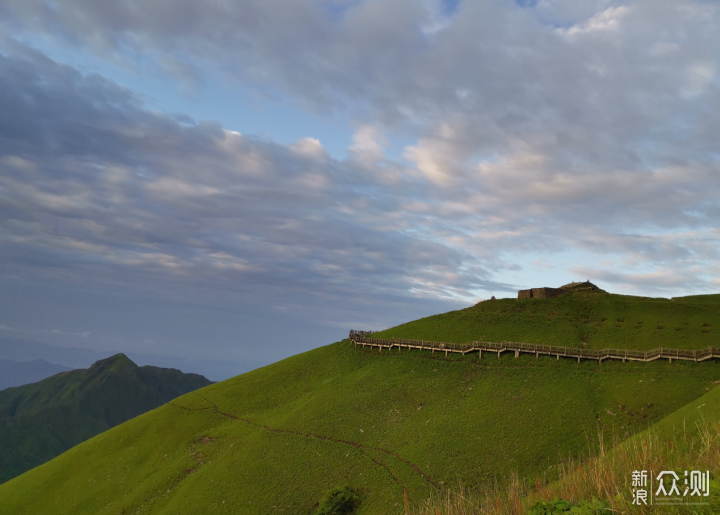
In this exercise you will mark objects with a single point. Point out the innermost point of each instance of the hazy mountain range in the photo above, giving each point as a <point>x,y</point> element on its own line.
<point>29,350</point>
<point>17,373</point>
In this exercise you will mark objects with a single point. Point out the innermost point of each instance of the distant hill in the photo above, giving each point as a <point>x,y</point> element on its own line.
<point>18,373</point>
<point>390,424</point>
<point>74,357</point>
<point>38,421</point>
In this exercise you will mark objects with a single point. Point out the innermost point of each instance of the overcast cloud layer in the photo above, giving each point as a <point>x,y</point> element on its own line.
<point>561,140</point>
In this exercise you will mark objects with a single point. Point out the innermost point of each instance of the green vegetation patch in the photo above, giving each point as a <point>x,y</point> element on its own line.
<point>277,439</point>
<point>560,506</point>
<point>339,501</point>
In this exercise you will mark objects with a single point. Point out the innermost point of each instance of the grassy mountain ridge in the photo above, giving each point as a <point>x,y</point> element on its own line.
<point>598,319</point>
<point>274,440</point>
<point>41,420</point>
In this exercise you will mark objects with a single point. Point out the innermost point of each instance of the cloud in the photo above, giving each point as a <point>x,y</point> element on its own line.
<point>533,131</point>
<point>660,282</point>
<point>603,21</point>
<point>95,180</point>
<point>11,329</point>
<point>137,200</point>
<point>60,332</point>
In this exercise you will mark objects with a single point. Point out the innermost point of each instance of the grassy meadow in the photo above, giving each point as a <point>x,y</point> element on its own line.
<point>389,425</point>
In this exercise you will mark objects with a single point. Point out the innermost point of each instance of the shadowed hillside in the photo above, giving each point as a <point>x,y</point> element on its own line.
<point>41,420</point>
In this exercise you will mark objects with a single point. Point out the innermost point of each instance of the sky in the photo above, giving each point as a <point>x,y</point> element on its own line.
<point>240,181</point>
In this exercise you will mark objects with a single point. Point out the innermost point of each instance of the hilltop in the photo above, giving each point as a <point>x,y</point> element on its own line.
<point>276,439</point>
<point>41,420</point>
<point>580,317</point>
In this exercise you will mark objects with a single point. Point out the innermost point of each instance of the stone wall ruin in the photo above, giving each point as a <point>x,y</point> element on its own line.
<point>549,293</point>
<point>540,293</point>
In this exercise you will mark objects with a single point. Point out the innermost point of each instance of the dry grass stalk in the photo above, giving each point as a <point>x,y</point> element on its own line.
<point>606,476</point>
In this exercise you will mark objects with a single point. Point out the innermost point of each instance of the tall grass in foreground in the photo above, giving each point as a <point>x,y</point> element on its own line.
<point>606,476</point>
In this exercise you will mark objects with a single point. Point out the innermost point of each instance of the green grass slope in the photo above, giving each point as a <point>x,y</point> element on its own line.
<point>41,420</point>
<point>687,439</point>
<point>692,418</point>
<point>274,440</point>
<point>599,320</point>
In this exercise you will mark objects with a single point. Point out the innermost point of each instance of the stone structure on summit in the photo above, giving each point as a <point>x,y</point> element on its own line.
<point>540,293</point>
<point>549,293</point>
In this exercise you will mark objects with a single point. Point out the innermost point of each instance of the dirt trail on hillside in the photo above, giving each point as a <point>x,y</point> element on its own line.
<point>362,448</point>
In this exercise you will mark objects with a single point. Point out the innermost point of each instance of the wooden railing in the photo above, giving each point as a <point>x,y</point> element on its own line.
<point>363,338</point>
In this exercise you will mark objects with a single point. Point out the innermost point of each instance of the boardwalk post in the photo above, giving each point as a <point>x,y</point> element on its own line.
<point>517,353</point>
<point>480,355</point>
<point>498,353</point>
<point>536,354</point>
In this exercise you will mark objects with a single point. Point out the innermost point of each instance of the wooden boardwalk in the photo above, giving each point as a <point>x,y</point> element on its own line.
<point>363,338</point>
